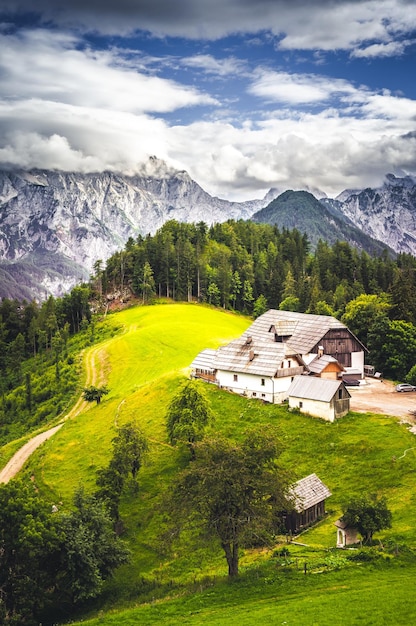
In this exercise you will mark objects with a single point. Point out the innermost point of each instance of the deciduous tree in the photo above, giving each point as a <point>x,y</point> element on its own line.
<point>94,394</point>
<point>368,514</point>
<point>188,414</point>
<point>232,491</point>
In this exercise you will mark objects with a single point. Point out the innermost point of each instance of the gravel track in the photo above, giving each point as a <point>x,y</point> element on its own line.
<point>18,460</point>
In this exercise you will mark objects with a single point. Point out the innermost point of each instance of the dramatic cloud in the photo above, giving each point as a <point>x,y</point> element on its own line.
<point>244,95</point>
<point>304,24</point>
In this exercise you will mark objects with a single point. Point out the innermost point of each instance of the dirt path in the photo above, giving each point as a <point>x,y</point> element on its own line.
<point>20,457</point>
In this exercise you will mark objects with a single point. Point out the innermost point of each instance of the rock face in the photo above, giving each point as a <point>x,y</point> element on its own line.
<point>55,225</point>
<point>387,213</point>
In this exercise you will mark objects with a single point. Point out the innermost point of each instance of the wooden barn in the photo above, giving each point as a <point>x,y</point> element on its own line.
<point>308,498</point>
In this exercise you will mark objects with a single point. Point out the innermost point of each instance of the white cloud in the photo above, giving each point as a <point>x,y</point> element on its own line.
<point>47,65</point>
<point>379,50</point>
<point>212,65</point>
<point>297,88</point>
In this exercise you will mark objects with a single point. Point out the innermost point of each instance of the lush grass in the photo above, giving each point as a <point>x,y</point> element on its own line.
<point>372,595</point>
<point>144,362</point>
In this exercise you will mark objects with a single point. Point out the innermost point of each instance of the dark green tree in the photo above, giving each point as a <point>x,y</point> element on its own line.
<point>91,550</point>
<point>232,491</point>
<point>30,543</point>
<point>368,514</point>
<point>188,415</point>
<point>130,447</point>
<point>94,394</point>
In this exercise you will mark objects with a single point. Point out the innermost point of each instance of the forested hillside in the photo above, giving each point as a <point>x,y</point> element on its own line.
<point>236,265</point>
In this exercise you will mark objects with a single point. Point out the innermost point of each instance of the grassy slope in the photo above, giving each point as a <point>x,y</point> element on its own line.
<point>144,366</point>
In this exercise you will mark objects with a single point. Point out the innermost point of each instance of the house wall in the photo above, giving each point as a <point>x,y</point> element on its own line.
<point>295,521</point>
<point>273,390</point>
<point>346,537</point>
<point>329,411</point>
<point>357,361</point>
<point>317,408</point>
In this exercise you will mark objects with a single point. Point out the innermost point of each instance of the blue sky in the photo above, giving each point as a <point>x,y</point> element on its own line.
<point>245,95</point>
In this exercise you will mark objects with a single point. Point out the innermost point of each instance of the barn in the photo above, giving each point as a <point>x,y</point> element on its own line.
<point>308,497</point>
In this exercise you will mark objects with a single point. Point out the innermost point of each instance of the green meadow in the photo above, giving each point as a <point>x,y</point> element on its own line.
<point>310,581</point>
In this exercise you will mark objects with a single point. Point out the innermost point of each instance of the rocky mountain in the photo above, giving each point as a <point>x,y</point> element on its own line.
<point>387,213</point>
<point>301,210</point>
<point>55,225</point>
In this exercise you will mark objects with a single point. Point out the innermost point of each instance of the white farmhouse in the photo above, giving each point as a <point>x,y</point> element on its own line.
<point>279,345</point>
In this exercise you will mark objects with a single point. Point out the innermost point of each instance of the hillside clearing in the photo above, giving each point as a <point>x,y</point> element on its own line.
<point>142,366</point>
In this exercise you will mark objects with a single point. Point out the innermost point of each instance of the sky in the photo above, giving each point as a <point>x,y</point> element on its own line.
<point>244,95</point>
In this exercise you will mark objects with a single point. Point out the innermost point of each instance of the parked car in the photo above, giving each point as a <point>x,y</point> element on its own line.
<point>405,387</point>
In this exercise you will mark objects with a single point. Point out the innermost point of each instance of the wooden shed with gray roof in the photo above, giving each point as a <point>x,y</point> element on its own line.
<point>319,397</point>
<point>307,497</point>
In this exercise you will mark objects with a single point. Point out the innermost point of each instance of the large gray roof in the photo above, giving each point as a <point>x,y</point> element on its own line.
<point>307,492</point>
<point>314,388</point>
<point>250,356</point>
<point>303,331</point>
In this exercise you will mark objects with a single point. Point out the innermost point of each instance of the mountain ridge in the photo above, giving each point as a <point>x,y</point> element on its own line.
<point>55,225</point>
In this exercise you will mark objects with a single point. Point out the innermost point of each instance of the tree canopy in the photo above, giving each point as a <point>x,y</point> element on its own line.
<point>368,514</point>
<point>130,447</point>
<point>50,559</point>
<point>233,490</point>
<point>188,414</point>
<point>94,394</point>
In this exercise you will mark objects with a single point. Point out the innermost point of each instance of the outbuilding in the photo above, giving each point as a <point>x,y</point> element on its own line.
<point>308,497</point>
<point>319,397</point>
<point>346,535</point>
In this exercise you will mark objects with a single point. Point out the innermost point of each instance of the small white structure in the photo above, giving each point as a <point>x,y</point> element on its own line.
<point>346,535</point>
<point>320,397</point>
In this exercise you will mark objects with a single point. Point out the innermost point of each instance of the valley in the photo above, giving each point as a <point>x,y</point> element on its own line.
<point>143,364</point>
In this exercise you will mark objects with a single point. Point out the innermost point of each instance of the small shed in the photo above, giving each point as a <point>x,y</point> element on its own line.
<point>319,397</point>
<point>308,497</point>
<point>203,366</point>
<point>346,535</point>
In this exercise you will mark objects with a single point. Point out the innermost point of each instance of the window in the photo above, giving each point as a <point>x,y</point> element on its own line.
<point>235,378</point>
<point>254,394</point>
<point>300,405</point>
<point>263,382</point>
<point>263,395</point>
<point>289,363</point>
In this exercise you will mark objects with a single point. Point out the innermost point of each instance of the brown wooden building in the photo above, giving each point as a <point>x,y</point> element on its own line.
<point>308,498</point>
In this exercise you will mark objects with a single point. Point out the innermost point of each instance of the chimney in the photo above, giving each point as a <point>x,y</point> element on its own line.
<point>320,351</point>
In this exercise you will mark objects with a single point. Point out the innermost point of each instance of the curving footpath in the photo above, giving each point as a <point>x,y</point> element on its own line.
<point>17,461</point>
